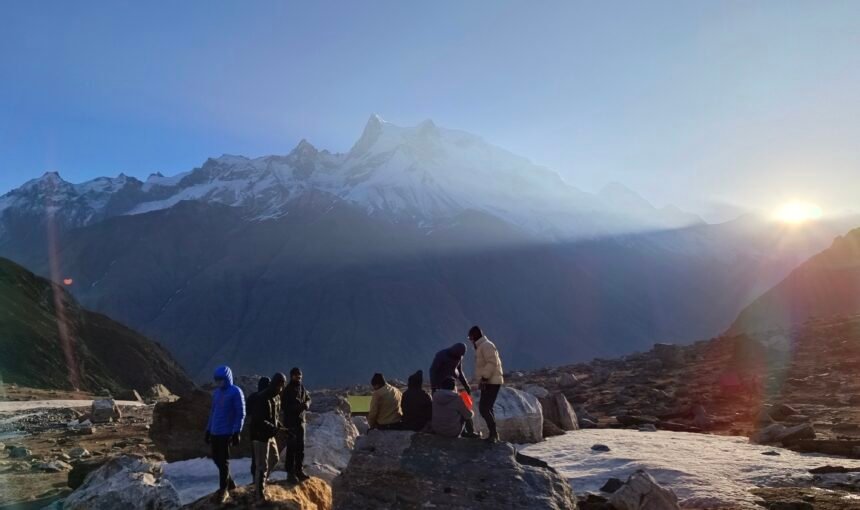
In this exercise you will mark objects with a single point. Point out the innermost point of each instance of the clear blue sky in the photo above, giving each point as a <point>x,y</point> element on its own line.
<point>693,103</point>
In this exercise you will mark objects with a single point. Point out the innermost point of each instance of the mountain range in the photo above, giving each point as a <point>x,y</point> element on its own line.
<point>372,260</point>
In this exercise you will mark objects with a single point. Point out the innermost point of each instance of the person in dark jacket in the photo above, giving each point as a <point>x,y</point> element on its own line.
<point>294,403</point>
<point>448,363</point>
<point>224,426</point>
<point>265,416</point>
<point>416,404</point>
<point>262,384</point>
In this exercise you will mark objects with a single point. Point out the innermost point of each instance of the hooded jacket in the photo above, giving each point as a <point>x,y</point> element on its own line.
<point>265,409</point>
<point>449,413</point>
<point>448,363</point>
<point>228,406</point>
<point>416,404</point>
<point>488,365</point>
<point>295,401</point>
<point>384,406</point>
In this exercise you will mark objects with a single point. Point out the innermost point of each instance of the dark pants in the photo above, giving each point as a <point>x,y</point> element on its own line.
<point>221,457</point>
<point>489,393</point>
<point>295,457</point>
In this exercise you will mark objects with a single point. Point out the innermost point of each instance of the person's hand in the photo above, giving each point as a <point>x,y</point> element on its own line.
<point>207,438</point>
<point>235,439</point>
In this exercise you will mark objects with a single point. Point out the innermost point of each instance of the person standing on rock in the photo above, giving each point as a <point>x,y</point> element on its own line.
<point>416,404</point>
<point>385,412</point>
<point>264,414</point>
<point>262,384</point>
<point>448,364</point>
<point>450,413</point>
<point>488,370</point>
<point>295,402</point>
<point>225,424</point>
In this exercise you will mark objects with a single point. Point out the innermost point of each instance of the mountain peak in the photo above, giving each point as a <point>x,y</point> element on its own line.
<point>303,148</point>
<point>371,133</point>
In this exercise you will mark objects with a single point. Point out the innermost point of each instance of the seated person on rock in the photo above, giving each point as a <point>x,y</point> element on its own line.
<point>416,404</point>
<point>449,363</point>
<point>384,413</point>
<point>449,411</point>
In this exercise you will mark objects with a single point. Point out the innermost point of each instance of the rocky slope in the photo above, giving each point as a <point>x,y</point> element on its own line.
<point>828,284</point>
<point>49,341</point>
<point>803,378</point>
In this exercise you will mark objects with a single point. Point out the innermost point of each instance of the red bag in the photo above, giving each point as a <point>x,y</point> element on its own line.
<point>467,399</point>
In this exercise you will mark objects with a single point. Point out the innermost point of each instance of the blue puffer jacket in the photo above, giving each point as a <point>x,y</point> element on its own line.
<point>228,406</point>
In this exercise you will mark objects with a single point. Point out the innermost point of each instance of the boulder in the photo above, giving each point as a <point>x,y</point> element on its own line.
<point>558,410</point>
<point>550,429</point>
<point>519,418</point>
<point>104,411</point>
<point>313,494</point>
<point>361,424</point>
<point>54,466</point>
<point>600,448</point>
<point>124,482</point>
<point>701,418</point>
<point>19,452</point>
<point>567,380</point>
<point>612,485</point>
<point>538,391</point>
<point>79,453</point>
<point>779,433</point>
<point>177,428</point>
<point>82,468</point>
<point>160,393</point>
<point>329,440</point>
<point>400,469</point>
<point>642,492</point>
<point>323,402</point>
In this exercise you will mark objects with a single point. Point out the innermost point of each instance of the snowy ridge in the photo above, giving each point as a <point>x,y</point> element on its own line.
<point>422,173</point>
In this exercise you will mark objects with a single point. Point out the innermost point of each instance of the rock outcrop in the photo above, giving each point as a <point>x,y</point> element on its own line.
<point>558,410</point>
<point>642,492</point>
<point>313,494</point>
<point>178,427</point>
<point>105,411</point>
<point>409,470</point>
<point>519,417</point>
<point>329,440</point>
<point>124,482</point>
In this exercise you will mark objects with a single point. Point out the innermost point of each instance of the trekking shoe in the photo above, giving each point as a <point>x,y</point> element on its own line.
<point>301,475</point>
<point>231,485</point>
<point>492,439</point>
<point>222,497</point>
<point>471,435</point>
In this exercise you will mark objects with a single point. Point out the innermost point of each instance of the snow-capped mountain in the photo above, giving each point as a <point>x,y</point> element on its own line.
<point>424,174</point>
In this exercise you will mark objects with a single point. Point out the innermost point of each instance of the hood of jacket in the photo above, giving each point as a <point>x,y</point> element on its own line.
<point>457,351</point>
<point>416,380</point>
<point>224,372</point>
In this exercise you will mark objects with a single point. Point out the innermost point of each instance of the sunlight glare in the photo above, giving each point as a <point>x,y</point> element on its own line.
<point>798,212</point>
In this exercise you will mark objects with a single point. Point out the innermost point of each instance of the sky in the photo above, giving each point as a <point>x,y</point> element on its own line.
<point>717,107</point>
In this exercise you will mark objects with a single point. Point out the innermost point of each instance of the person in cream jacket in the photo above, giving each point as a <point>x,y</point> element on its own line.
<point>488,371</point>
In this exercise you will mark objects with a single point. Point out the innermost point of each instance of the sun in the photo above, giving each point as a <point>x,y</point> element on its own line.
<point>798,212</point>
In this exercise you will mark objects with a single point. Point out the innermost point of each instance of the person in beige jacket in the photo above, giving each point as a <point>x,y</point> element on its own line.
<point>385,412</point>
<point>488,371</point>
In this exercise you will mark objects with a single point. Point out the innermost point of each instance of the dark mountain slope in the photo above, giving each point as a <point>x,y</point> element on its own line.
<point>49,341</point>
<point>344,294</point>
<point>826,285</point>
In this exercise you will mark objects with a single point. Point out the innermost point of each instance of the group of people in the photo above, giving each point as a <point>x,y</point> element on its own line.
<point>444,411</point>
<point>280,404</point>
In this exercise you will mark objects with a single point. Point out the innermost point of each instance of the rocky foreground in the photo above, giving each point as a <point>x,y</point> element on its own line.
<point>786,389</point>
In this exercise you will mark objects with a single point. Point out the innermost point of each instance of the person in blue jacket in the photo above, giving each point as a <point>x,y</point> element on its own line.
<point>225,423</point>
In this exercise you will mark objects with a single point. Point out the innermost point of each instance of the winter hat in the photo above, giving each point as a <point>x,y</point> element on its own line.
<point>377,380</point>
<point>263,383</point>
<point>416,380</point>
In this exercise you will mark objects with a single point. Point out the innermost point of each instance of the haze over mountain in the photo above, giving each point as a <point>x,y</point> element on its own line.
<point>825,286</point>
<point>348,264</point>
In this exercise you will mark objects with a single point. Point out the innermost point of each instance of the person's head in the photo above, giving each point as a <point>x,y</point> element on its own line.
<point>475,333</point>
<point>448,384</point>
<point>416,380</point>
<point>223,376</point>
<point>263,383</point>
<point>377,381</point>
<point>457,351</point>
<point>279,380</point>
<point>296,375</point>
